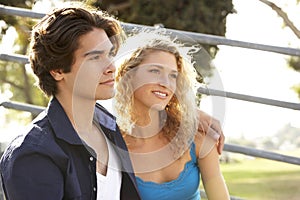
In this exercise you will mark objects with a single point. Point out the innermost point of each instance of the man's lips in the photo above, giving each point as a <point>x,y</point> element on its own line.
<point>108,82</point>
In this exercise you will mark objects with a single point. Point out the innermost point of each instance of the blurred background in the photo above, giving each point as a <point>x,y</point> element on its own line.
<point>240,70</point>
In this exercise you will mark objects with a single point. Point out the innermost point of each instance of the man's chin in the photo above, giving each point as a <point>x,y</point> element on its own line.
<point>105,97</point>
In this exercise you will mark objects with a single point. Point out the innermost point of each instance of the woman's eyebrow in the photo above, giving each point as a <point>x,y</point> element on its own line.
<point>158,65</point>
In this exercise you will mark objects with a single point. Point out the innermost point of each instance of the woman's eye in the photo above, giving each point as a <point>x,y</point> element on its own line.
<point>154,71</point>
<point>173,76</point>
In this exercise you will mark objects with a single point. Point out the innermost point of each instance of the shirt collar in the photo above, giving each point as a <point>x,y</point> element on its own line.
<point>61,124</point>
<point>105,118</point>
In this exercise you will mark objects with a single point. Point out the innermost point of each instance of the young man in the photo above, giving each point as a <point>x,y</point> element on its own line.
<point>72,142</point>
<point>74,149</point>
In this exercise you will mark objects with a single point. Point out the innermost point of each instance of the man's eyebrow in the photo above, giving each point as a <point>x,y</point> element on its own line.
<point>98,51</point>
<point>94,52</point>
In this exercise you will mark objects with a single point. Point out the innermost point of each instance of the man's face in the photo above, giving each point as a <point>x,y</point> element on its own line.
<point>92,73</point>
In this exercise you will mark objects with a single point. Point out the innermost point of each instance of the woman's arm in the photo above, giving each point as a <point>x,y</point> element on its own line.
<point>212,177</point>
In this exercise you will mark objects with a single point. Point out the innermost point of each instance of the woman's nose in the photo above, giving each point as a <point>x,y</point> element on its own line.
<point>164,80</point>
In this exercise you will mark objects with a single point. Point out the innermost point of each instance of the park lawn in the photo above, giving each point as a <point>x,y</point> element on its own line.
<point>262,179</point>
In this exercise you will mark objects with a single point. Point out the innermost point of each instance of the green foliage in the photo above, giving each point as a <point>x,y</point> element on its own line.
<point>262,179</point>
<point>11,20</point>
<point>294,63</point>
<point>15,76</point>
<point>199,16</point>
<point>12,77</point>
<point>203,16</point>
<point>297,89</point>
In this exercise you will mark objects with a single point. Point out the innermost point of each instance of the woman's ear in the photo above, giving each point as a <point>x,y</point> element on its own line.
<point>57,74</point>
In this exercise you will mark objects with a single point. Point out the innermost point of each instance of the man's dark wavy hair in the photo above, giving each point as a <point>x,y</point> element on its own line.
<point>55,39</point>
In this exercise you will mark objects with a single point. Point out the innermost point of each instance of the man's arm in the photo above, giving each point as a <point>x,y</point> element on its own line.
<point>32,176</point>
<point>208,123</point>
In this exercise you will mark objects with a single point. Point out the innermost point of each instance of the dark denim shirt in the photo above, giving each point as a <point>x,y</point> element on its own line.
<point>50,161</point>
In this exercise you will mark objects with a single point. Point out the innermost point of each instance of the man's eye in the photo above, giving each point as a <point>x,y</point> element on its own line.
<point>97,57</point>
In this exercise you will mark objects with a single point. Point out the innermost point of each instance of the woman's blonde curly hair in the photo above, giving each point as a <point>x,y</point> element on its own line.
<point>181,122</point>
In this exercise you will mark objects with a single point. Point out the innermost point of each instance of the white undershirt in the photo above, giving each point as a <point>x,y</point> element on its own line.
<point>109,186</point>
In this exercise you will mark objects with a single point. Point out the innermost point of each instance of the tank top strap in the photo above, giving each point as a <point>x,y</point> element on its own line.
<point>193,152</point>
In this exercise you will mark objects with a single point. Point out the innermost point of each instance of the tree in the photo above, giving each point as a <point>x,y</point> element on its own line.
<point>203,16</point>
<point>17,77</point>
<point>288,134</point>
<point>294,61</point>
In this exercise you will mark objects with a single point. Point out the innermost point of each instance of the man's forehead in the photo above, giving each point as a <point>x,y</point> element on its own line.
<point>101,45</point>
<point>95,40</point>
<point>104,44</point>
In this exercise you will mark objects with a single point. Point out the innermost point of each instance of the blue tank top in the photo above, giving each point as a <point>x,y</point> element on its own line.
<point>185,187</point>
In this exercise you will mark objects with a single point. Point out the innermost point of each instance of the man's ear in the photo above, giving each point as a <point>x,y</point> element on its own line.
<point>57,74</point>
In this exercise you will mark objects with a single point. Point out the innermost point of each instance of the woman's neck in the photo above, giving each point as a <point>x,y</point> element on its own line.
<point>147,123</point>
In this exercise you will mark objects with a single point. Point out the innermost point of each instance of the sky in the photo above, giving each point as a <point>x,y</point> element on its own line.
<point>256,73</point>
<point>246,71</point>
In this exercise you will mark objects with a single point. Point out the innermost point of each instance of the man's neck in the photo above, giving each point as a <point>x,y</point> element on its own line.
<point>80,112</point>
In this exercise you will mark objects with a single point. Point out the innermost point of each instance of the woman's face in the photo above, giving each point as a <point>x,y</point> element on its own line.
<point>154,81</point>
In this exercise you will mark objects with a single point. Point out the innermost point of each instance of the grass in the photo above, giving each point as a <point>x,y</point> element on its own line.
<point>262,179</point>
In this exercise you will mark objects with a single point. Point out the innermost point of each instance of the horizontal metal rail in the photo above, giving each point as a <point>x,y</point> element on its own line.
<point>228,147</point>
<point>14,58</point>
<point>243,97</point>
<point>261,154</point>
<point>201,90</point>
<point>185,36</point>
<point>21,12</point>
<point>22,107</point>
<point>188,36</point>
<point>201,38</point>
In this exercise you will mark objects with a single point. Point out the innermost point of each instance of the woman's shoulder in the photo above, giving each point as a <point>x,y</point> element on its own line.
<point>204,143</point>
<point>198,141</point>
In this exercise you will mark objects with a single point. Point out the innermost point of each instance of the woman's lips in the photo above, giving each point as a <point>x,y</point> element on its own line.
<point>160,94</point>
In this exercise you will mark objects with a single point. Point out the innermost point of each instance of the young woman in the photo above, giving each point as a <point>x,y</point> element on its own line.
<point>157,114</point>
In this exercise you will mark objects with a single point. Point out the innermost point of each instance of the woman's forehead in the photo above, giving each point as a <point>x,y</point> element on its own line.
<point>160,58</point>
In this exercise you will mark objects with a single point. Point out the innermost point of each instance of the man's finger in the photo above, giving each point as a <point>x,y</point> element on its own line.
<point>221,143</point>
<point>216,126</point>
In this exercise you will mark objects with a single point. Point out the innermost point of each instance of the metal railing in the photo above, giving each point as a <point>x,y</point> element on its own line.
<point>189,37</point>
<point>228,147</point>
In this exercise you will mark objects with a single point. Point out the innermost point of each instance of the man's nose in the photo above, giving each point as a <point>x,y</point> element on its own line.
<point>110,68</point>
